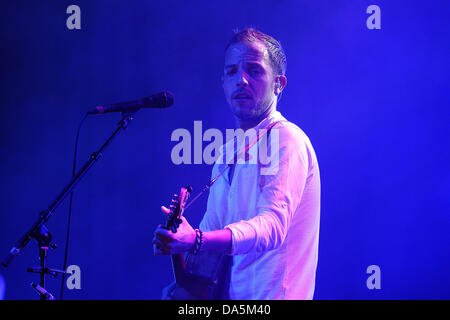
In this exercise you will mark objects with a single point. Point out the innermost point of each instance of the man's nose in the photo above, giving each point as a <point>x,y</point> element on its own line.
<point>242,79</point>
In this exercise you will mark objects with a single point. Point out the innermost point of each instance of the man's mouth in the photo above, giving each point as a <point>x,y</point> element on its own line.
<point>241,96</point>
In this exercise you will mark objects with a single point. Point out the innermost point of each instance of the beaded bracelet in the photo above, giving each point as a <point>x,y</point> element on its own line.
<point>198,241</point>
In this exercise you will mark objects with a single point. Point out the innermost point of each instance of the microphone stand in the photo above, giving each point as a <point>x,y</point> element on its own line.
<point>39,231</point>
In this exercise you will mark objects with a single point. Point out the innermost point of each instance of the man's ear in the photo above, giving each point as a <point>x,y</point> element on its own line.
<point>280,84</point>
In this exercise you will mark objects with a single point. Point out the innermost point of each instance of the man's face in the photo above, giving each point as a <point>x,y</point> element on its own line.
<point>248,80</point>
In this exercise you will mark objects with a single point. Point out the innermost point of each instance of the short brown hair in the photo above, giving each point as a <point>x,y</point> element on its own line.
<point>276,54</point>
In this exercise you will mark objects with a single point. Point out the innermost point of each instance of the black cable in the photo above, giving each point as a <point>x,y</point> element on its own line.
<point>66,250</point>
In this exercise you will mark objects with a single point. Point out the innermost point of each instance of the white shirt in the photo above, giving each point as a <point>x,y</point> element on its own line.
<point>274,219</point>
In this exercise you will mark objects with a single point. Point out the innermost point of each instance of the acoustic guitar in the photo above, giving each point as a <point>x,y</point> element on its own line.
<point>204,276</point>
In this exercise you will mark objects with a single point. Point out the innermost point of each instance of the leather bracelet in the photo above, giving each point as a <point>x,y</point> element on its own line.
<point>198,241</point>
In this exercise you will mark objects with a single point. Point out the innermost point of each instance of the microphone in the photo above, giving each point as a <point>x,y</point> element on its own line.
<point>160,100</point>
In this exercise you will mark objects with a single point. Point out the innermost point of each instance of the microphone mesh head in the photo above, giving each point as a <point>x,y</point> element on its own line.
<point>163,99</point>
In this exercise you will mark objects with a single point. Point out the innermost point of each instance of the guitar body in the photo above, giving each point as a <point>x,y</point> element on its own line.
<point>204,276</point>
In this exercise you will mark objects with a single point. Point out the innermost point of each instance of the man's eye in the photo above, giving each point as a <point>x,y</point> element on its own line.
<point>230,71</point>
<point>255,71</point>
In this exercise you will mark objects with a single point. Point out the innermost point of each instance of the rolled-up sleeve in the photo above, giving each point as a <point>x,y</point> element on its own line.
<point>280,195</point>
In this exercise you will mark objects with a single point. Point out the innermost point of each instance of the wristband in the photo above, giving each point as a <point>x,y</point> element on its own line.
<point>198,241</point>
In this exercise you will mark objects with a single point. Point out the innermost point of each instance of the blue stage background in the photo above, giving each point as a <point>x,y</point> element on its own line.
<point>373,102</point>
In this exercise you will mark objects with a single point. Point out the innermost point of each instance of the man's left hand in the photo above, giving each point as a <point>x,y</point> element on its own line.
<point>166,242</point>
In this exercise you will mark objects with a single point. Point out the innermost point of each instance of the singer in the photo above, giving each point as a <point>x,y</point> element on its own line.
<point>268,224</point>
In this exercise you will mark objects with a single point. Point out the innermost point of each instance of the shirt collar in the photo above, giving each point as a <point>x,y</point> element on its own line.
<point>272,117</point>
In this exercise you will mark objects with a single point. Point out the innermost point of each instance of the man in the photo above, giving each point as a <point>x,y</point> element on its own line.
<point>269,223</point>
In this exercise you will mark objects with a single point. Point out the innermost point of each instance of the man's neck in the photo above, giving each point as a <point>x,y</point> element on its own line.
<point>246,124</point>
